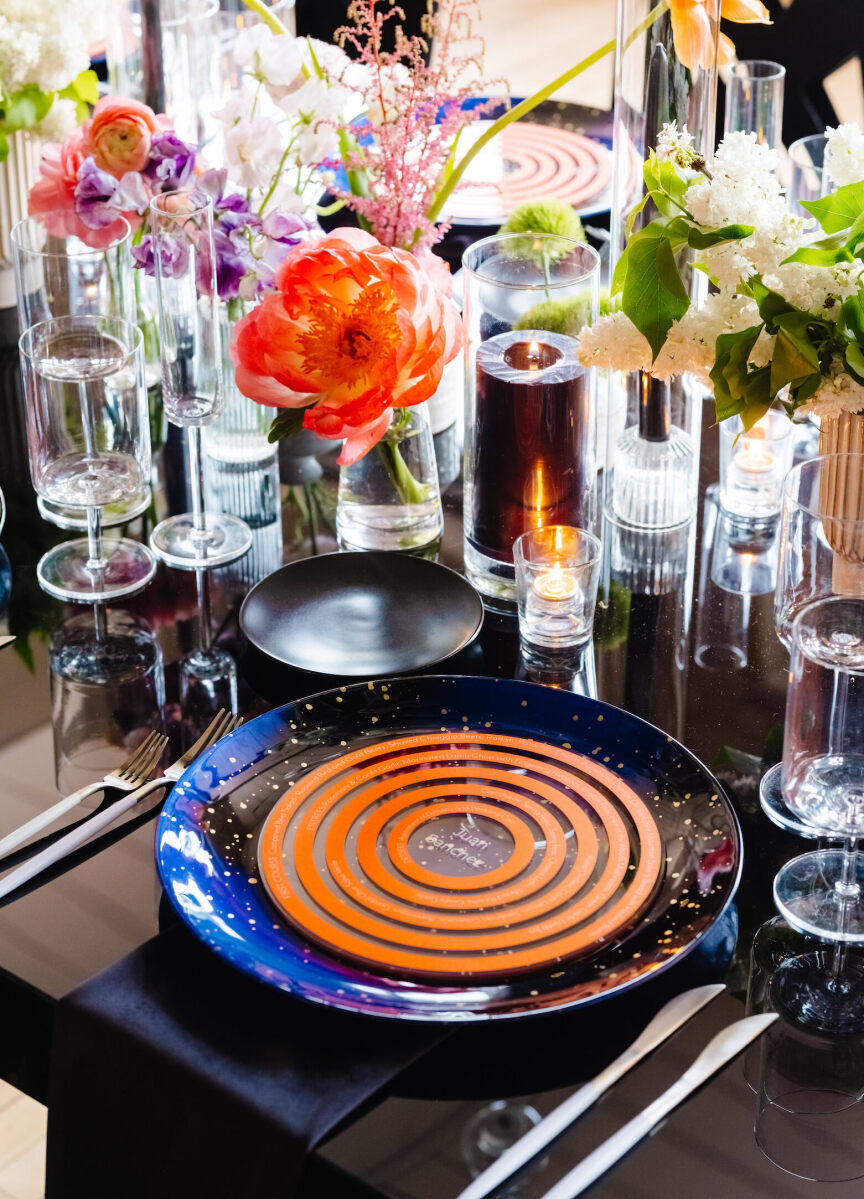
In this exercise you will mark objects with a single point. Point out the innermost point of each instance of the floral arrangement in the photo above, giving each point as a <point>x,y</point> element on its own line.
<point>355,330</point>
<point>124,155</point>
<point>786,319</point>
<point>45,80</point>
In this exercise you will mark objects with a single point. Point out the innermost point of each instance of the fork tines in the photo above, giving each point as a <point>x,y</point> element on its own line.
<point>145,757</point>
<point>220,726</point>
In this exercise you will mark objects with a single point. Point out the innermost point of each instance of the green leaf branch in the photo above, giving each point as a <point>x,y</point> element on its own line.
<point>30,105</point>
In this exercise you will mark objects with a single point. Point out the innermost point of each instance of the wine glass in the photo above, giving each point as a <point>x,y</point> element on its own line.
<point>192,388</point>
<point>58,274</point>
<point>89,442</point>
<point>823,768</point>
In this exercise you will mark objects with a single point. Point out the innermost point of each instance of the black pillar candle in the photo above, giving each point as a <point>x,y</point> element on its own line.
<point>531,461</point>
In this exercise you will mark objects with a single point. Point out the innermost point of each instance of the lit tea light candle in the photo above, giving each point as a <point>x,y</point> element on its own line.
<point>555,585</point>
<point>753,465</point>
<point>754,455</point>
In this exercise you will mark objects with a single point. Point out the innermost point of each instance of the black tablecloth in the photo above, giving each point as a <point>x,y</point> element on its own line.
<point>174,1075</point>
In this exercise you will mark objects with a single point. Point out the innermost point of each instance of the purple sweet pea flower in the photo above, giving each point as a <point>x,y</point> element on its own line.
<point>290,228</point>
<point>172,162</point>
<point>100,198</point>
<point>174,255</point>
<point>233,262</point>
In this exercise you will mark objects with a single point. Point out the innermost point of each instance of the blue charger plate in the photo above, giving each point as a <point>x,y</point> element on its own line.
<point>216,821</point>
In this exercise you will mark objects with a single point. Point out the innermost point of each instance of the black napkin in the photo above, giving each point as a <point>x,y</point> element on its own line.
<point>175,1075</point>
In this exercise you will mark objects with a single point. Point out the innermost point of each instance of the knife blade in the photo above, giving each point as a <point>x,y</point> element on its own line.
<point>4,641</point>
<point>667,1021</point>
<point>717,1054</point>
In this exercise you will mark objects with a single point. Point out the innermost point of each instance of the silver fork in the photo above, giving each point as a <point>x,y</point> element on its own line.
<point>130,774</point>
<point>222,724</point>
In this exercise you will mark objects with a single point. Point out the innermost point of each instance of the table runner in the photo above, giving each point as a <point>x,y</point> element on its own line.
<point>174,1075</point>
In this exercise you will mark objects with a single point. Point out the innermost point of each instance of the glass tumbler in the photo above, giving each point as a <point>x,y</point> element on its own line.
<point>192,376</point>
<point>808,178</point>
<point>557,571</point>
<point>89,442</point>
<point>754,100</point>
<point>823,768</point>
<point>821,539</point>
<point>530,422</point>
<point>754,464</point>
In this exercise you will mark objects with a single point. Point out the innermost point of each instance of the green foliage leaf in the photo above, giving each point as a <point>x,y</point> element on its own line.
<point>4,146</point>
<point>854,357</point>
<point>288,422</point>
<point>771,304</point>
<point>851,322</point>
<point>795,356</point>
<point>738,388</point>
<point>83,87</point>
<point>803,391</point>
<point>827,252</point>
<point>665,186</point>
<point>653,295</point>
<point>715,237</point>
<point>840,210</point>
<point>26,107</point>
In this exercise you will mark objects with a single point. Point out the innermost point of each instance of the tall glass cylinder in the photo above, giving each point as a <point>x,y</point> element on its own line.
<point>530,422</point>
<point>754,100</point>
<point>665,70</point>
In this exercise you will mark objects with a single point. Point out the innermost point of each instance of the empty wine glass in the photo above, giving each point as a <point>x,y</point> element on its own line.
<point>192,388</point>
<point>89,443</point>
<point>823,768</point>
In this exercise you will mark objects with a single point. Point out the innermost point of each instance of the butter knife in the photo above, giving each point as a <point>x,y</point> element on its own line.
<point>717,1054</point>
<point>667,1021</point>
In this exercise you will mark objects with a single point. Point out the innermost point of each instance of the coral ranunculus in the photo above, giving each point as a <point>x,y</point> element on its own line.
<point>356,329</point>
<point>119,133</point>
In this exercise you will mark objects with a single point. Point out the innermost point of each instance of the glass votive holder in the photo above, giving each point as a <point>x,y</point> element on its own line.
<point>753,464</point>
<point>557,570</point>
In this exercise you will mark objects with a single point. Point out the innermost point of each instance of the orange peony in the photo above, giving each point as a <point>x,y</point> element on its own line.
<point>118,134</point>
<point>356,329</point>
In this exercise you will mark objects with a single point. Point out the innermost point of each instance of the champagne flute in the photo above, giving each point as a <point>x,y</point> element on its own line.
<point>192,387</point>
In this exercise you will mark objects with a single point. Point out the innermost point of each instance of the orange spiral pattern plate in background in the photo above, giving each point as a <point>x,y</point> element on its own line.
<point>363,854</point>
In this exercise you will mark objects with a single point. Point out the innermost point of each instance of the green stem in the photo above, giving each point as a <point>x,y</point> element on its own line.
<point>409,490</point>
<point>525,106</point>
<point>266,15</point>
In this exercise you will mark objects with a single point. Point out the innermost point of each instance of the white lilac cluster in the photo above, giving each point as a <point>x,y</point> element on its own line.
<point>45,43</point>
<point>844,154</point>
<point>280,127</point>
<point>741,187</point>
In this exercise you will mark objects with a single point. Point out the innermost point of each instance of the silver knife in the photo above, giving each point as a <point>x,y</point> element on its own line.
<point>668,1020</point>
<point>718,1053</point>
<point>4,641</point>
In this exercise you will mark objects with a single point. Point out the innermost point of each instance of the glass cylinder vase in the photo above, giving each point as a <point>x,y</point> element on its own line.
<point>663,73</point>
<point>530,419</point>
<point>389,499</point>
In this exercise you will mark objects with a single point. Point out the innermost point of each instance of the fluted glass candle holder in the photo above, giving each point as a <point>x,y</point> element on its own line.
<point>557,570</point>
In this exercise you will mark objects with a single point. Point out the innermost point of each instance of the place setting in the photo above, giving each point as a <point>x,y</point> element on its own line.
<point>431,543</point>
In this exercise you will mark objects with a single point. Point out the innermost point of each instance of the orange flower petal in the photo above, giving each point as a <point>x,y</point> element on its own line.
<point>746,12</point>
<point>692,34</point>
<point>726,53</point>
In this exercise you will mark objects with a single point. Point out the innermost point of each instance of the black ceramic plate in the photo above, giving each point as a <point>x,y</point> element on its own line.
<point>358,615</point>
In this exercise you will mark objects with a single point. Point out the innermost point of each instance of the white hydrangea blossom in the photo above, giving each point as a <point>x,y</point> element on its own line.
<point>844,154</point>
<point>59,122</point>
<point>47,44</point>
<point>690,343</point>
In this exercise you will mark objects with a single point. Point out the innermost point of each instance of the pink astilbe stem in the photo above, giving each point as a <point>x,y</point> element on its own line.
<point>418,107</point>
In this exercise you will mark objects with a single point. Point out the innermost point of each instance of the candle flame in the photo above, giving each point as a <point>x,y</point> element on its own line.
<point>754,453</point>
<point>555,584</point>
<point>534,356</point>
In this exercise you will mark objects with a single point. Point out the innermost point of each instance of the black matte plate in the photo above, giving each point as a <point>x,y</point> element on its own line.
<point>358,615</point>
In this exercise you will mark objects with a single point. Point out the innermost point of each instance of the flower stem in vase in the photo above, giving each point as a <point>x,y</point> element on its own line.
<point>409,490</point>
<point>652,481</point>
<point>841,499</point>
